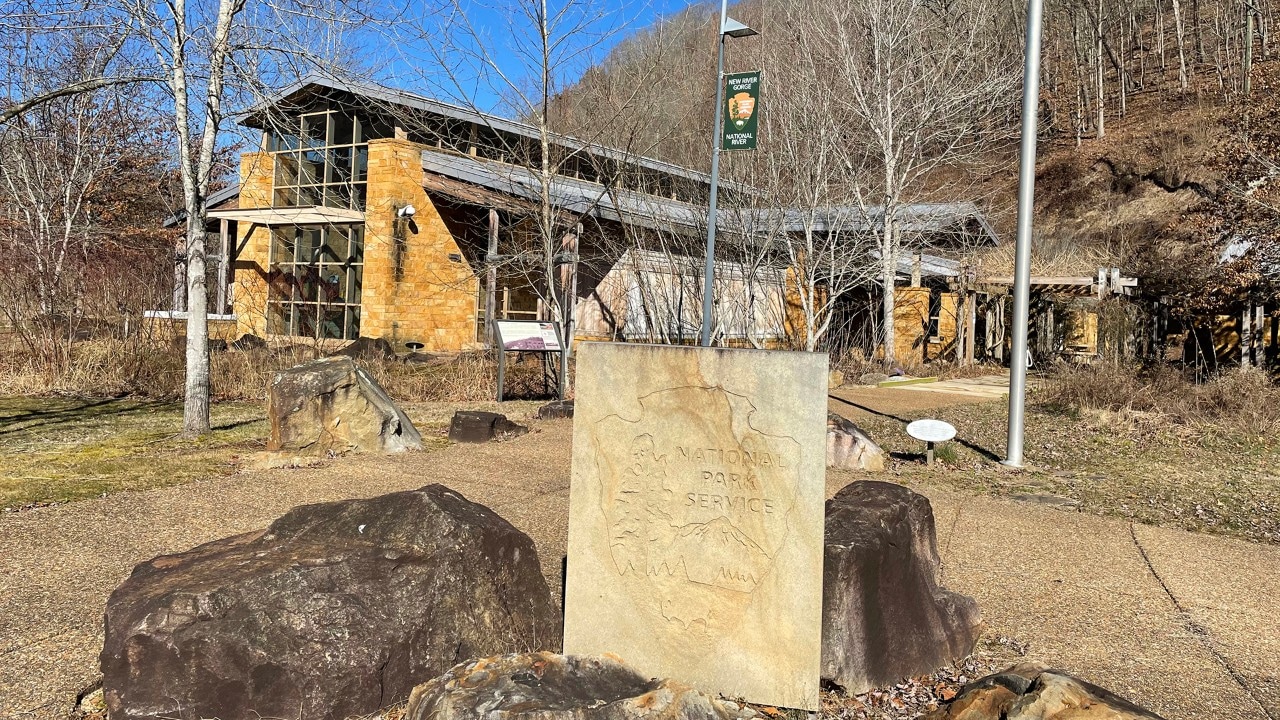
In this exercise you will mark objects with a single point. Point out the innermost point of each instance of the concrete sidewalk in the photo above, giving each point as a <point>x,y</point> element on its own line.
<point>1183,623</point>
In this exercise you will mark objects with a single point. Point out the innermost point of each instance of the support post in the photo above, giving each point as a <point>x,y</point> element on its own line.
<point>491,286</point>
<point>972,332</point>
<point>1246,337</point>
<point>1022,256</point>
<point>180,277</point>
<point>1259,337</point>
<point>708,282</point>
<point>224,251</point>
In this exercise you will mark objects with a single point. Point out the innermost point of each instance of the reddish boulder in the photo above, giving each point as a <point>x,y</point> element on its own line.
<point>884,616</point>
<point>545,686</point>
<point>335,610</point>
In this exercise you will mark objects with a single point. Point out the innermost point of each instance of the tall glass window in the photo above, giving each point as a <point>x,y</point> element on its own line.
<point>321,158</point>
<point>316,276</point>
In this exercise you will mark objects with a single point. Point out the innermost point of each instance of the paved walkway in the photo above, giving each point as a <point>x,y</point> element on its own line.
<point>1183,623</point>
<point>985,387</point>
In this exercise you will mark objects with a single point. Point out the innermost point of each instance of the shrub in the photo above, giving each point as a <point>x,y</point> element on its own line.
<point>1234,400</point>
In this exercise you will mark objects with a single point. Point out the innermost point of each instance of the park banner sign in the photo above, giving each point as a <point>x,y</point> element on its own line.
<point>742,109</point>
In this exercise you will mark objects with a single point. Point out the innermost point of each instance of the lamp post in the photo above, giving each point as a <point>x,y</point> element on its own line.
<point>728,28</point>
<point>1022,254</point>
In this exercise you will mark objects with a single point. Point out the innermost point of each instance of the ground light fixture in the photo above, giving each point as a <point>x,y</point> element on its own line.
<point>728,28</point>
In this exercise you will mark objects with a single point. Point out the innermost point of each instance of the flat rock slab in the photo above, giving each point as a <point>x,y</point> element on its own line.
<point>330,406</point>
<point>478,426</point>
<point>695,516</point>
<point>336,610</point>
<point>1031,691</point>
<point>545,686</point>
<point>556,410</point>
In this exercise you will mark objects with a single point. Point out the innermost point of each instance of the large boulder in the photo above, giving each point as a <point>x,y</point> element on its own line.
<point>1031,691</point>
<point>849,448</point>
<point>544,686</point>
<point>335,610</point>
<point>330,406</point>
<point>884,616</point>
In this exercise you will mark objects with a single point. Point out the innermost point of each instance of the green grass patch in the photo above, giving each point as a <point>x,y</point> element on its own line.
<point>56,449</point>
<point>62,449</point>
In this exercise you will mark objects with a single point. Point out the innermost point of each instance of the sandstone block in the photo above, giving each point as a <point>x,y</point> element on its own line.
<point>331,406</point>
<point>849,448</point>
<point>1031,691</point>
<point>696,516</point>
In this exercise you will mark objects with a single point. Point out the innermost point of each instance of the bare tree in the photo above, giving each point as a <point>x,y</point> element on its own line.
<point>204,58</point>
<point>806,214</point>
<point>546,46</point>
<point>926,87</point>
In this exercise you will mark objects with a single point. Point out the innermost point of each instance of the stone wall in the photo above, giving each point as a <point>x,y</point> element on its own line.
<point>910,317</point>
<point>911,322</point>
<point>249,286</point>
<point>434,302</point>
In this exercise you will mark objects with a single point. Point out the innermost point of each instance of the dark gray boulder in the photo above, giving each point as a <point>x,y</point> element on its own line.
<point>248,341</point>
<point>545,686</point>
<point>556,410</point>
<point>884,616</point>
<point>479,426</point>
<point>335,610</point>
<point>367,348</point>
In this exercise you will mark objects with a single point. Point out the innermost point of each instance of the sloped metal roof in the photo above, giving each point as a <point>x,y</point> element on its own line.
<point>587,198</point>
<point>568,194</point>
<point>255,117</point>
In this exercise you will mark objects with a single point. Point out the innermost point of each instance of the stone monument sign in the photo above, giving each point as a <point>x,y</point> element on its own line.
<point>696,516</point>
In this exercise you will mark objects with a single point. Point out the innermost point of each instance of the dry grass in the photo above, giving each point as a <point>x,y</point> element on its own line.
<point>55,450</point>
<point>132,368</point>
<point>1146,446</point>
<point>1233,404</point>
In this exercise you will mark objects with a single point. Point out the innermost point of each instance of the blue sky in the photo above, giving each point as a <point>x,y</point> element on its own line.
<point>495,35</point>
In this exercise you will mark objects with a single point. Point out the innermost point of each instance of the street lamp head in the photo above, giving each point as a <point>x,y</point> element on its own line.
<point>735,29</point>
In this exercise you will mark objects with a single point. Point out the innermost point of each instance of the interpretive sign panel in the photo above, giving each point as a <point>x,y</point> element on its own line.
<point>527,335</point>
<point>696,516</point>
<point>741,110</point>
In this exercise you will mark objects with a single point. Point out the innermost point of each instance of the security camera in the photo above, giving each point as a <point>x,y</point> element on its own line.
<point>406,212</point>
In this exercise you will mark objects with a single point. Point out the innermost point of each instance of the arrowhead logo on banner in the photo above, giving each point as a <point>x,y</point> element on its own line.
<point>742,109</point>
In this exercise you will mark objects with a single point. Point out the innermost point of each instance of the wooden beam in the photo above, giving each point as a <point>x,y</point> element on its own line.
<point>972,332</point>
<point>1246,337</point>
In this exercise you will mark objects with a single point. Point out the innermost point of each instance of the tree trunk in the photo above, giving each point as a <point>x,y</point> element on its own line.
<point>1182,54</point>
<point>195,408</point>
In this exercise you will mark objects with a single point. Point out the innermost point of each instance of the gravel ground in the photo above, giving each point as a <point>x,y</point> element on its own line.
<point>1065,588</point>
